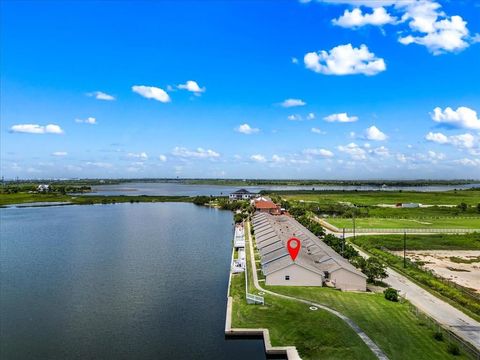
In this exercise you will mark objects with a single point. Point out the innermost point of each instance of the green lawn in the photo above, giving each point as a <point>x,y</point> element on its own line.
<point>420,223</point>
<point>23,198</point>
<point>422,242</point>
<point>391,325</point>
<point>316,334</point>
<point>471,197</point>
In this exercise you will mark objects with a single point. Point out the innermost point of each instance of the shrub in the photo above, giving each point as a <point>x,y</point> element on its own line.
<point>391,294</point>
<point>453,349</point>
<point>438,335</point>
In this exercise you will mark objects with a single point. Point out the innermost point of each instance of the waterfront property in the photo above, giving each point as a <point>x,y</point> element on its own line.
<point>263,205</point>
<point>316,265</point>
<point>241,194</point>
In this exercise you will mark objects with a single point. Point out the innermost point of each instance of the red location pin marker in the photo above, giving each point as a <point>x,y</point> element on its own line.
<point>293,246</point>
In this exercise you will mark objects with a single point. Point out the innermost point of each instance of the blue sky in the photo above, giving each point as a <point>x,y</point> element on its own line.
<point>260,89</point>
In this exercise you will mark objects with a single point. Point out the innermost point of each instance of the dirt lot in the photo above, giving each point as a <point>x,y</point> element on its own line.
<point>460,266</point>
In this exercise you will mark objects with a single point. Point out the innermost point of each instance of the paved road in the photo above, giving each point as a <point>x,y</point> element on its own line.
<point>441,311</point>
<point>444,313</point>
<point>375,349</point>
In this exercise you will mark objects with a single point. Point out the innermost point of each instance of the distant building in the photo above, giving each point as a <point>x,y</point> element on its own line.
<point>316,264</point>
<point>241,194</point>
<point>267,206</point>
<point>409,205</point>
<point>43,188</point>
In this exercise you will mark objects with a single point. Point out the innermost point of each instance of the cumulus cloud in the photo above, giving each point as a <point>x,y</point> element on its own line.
<point>294,60</point>
<point>192,86</point>
<point>463,117</point>
<point>90,120</point>
<point>278,159</point>
<point>141,155</point>
<point>99,164</point>
<point>294,117</point>
<point>59,153</point>
<point>310,116</point>
<point>36,129</point>
<point>345,60</point>
<point>152,92</point>
<point>466,140</point>
<point>433,29</point>
<point>318,152</point>
<point>199,153</point>
<point>246,129</point>
<point>355,151</point>
<point>340,117</point>
<point>468,162</point>
<point>318,131</point>
<point>374,133</point>
<point>355,18</point>
<point>99,95</point>
<point>381,151</point>
<point>293,103</point>
<point>258,158</point>
<point>162,158</point>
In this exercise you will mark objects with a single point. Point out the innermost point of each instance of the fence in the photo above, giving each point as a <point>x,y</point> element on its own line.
<point>251,298</point>
<point>410,231</point>
<point>451,337</point>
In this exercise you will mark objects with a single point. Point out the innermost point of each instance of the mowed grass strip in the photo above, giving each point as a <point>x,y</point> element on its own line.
<point>421,223</point>
<point>470,197</point>
<point>392,326</point>
<point>421,242</point>
<point>316,334</point>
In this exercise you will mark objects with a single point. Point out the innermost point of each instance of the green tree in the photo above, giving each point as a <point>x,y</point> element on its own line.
<point>463,207</point>
<point>391,294</point>
<point>374,269</point>
<point>478,208</point>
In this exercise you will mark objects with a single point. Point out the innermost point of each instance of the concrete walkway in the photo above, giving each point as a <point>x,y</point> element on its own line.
<point>450,317</point>
<point>375,349</point>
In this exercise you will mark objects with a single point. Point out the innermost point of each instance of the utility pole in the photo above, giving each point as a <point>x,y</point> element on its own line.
<point>404,249</point>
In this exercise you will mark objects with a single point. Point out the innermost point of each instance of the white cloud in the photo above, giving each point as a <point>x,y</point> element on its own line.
<point>199,153</point>
<point>294,117</point>
<point>99,164</point>
<point>355,18</point>
<point>258,158</point>
<point>345,60</point>
<point>466,140</point>
<point>162,158</point>
<point>152,92</point>
<point>278,159</point>
<point>36,129</point>
<point>468,162</point>
<point>294,60</point>
<point>439,33</point>
<point>381,151</point>
<point>355,151</point>
<point>437,137</point>
<point>374,133</point>
<point>90,120</point>
<point>402,158</point>
<point>292,103</point>
<point>99,95</point>
<point>310,116</point>
<point>340,117</point>
<point>141,156</point>
<point>192,86</point>
<point>318,131</point>
<point>463,117</point>
<point>318,152</point>
<point>436,156</point>
<point>246,129</point>
<point>59,153</point>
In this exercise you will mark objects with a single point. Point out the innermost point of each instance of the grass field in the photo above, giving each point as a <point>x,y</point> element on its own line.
<point>391,325</point>
<point>422,242</point>
<point>23,198</point>
<point>420,223</point>
<point>471,197</point>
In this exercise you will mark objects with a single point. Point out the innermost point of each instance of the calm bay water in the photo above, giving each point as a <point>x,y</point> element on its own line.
<point>176,189</point>
<point>125,281</point>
